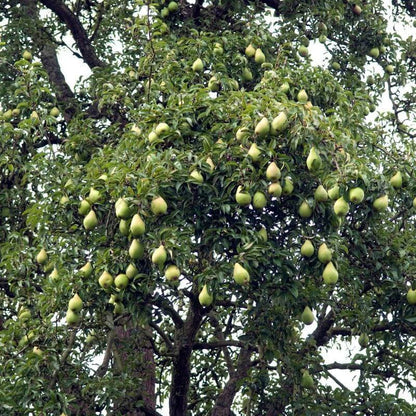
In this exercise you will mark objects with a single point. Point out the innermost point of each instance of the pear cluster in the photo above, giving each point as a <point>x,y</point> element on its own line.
<point>73,314</point>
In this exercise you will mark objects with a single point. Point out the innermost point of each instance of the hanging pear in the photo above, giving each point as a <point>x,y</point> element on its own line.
<point>90,221</point>
<point>263,127</point>
<point>397,180</point>
<point>84,207</point>
<point>198,65</point>
<point>159,206</point>
<point>305,210</point>
<point>259,56</point>
<point>172,273</point>
<point>320,194</point>
<point>86,270</point>
<point>42,256</point>
<point>131,271</point>
<point>204,297</point>
<point>275,189</point>
<point>356,195</point>
<point>307,316</point>
<point>341,207</point>
<point>136,250</point>
<point>137,226</point>
<point>259,200</point>
<point>381,203</point>
<point>124,227</point>
<point>330,274</point>
<point>243,198</point>
<point>307,249</point>
<point>324,254</point>
<point>121,281</point>
<point>333,193</point>
<point>313,161</point>
<point>94,196</point>
<point>279,123</point>
<point>250,51</point>
<point>254,152</point>
<point>72,317</point>
<point>307,380</point>
<point>159,256</point>
<point>105,280</point>
<point>240,274</point>
<point>273,173</point>
<point>122,208</point>
<point>288,187</point>
<point>75,303</point>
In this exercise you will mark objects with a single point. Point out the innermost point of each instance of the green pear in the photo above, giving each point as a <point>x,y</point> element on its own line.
<point>198,65</point>
<point>173,6</point>
<point>86,270</point>
<point>162,128</point>
<point>105,280</point>
<point>136,250</point>
<point>131,271</point>
<point>25,314</point>
<point>114,298</point>
<point>356,195</point>
<point>246,75</point>
<point>279,123</point>
<point>275,189</point>
<point>152,136</point>
<point>240,274</point>
<point>333,193</point>
<point>197,176</point>
<point>250,51</point>
<point>159,256</point>
<point>54,274</point>
<point>381,203</point>
<point>262,128</point>
<point>42,256</point>
<point>118,308</point>
<point>213,84</point>
<point>285,87</point>
<point>307,380</point>
<point>288,187</point>
<point>72,317</point>
<point>121,281</point>
<point>27,56</point>
<point>75,303</point>
<point>210,162</point>
<point>254,152</point>
<point>137,226</point>
<point>305,210</point>
<point>302,96</point>
<point>303,51</point>
<point>172,273</point>
<point>330,274</point>
<point>307,316</point>
<point>84,207</point>
<point>374,53</point>
<point>36,350</point>
<point>320,194</point>
<point>159,206</point>
<point>324,254</point>
<point>397,180</point>
<point>341,207</point>
<point>122,209</point>
<point>313,161</point>
<point>273,173</point>
<point>124,227</point>
<point>90,221</point>
<point>259,56</point>
<point>259,200</point>
<point>262,233</point>
<point>243,198</point>
<point>242,133</point>
<point>204,297</point>
<point>411,296</point>
<point>94,196</point>
<point>307,249</point>
<point>363,340</point>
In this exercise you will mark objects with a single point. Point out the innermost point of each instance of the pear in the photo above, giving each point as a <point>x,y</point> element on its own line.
<point>275,189</point>
<point>246,75</point>
<point>25,314</point>
<point>210,162</point>
<point>27,56</point>
<point>122,209</point>
<point>162,128</point>
<point>303,51</point>
<point>54,274</point>
<point>259,200</point>
<point>42,256</point>
<point>411,296</point>
<point>75,303</point>
<point>250,51</point>
<point>242,133</point>
<point>254,152</point>
<point>284,87</point>
<point>198,65</point>
<point>86,270</point>
<point>330,274</point>
<point>356,195</point>
<point>307,316</point>
<point>262,128</point>
<point>137,226</point>
<point>363,340</point>
<point>118,308</point>
<point>172,273</point>
<point>159,206</point>
<point>243,198</point>
<point>136,249</point>
<point>273,173</point>
<point>305,210</point>
<point>159,256</point>
<point>240,274</point>
<point>90,221</point>
<point>307,249</point>
<point>307,380</point>
<point>302,96</point>
<point>36,350</point>
<point>173,6</point>
<point>131,271</point>
<point>341,207</point>
<point>381,203</point>
<point>72,317</point>
<point>374,52</point>
<point>262,233</point>
<point>279,123</point>
<point>324,254</point>
<point>121,281</point>
<point>197,176</point>
<point>288,187</point>
<point>213,84</point>
<point>94,196</point>
<point>414,203</point>
<point>152,136</point>
<point>105,280</point>
<point>333,193</point>
<point>124,227</point>
<point>84,207</point>
<point>320,194</point>
<point>397,180</point>
<point>204,297</point>
<point>313,161</point>
<point>114,298</point>
<point>259,56</point>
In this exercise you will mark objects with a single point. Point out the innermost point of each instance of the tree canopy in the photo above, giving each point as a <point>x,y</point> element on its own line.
<point>205,215</point>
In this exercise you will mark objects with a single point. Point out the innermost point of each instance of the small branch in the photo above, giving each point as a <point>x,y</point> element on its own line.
<point>102,369</point>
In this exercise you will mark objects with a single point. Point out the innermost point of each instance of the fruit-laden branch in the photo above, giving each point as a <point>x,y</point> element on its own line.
<point>78,32</point>
<point>225,399</point>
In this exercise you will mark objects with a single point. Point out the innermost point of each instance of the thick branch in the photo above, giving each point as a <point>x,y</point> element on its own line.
<point>78,32</point>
